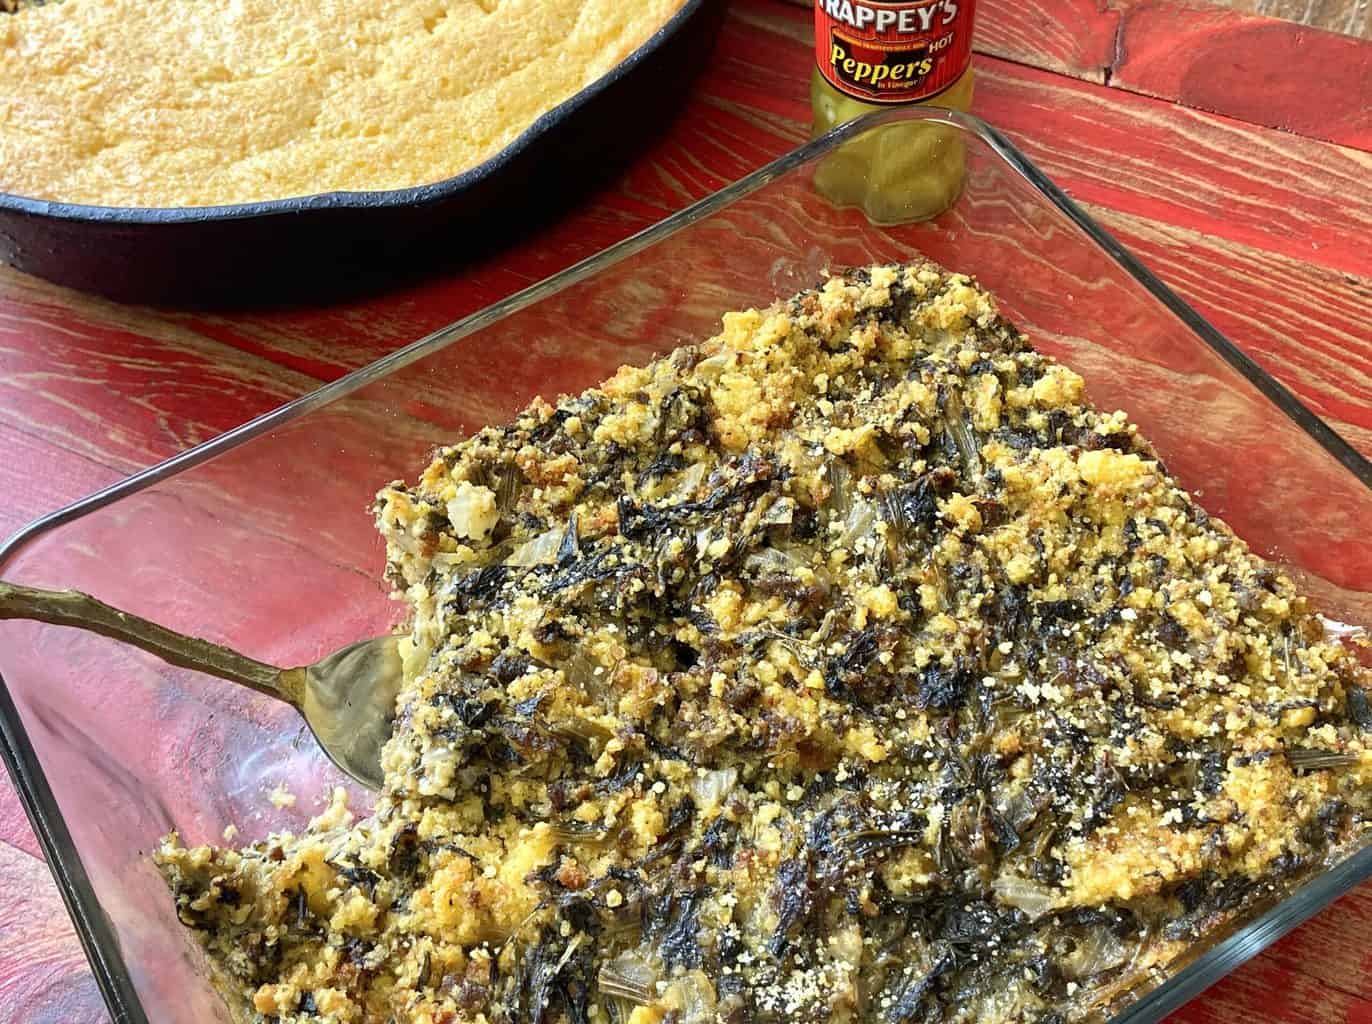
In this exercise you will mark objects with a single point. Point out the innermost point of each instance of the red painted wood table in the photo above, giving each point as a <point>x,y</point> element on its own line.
<point>1232,152</point>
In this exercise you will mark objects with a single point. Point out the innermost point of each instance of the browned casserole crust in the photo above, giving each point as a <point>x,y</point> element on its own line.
<point>849,666</point>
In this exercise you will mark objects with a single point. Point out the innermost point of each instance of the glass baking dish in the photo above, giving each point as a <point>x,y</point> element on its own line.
<point>262,538</point>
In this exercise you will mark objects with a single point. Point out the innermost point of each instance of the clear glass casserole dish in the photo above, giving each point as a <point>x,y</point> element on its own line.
<point>261,538</point>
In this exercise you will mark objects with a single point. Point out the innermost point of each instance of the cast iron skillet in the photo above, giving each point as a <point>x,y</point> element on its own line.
<point>292,248</point>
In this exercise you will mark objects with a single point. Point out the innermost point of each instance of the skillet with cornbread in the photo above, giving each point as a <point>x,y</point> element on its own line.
<point>155,152</point>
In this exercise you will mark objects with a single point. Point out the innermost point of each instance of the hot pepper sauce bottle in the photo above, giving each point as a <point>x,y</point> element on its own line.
<point>874,54</point>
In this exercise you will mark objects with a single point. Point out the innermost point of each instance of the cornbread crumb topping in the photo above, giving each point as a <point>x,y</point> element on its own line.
<point>166,103</point>
<point>848,666</point>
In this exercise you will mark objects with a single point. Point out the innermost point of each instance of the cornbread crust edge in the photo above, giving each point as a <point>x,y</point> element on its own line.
<point>848,666</point>
<point>168,104</point>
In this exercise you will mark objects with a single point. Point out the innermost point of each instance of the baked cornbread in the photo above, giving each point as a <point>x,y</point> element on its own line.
<point>169,104</point>
<point>849,666</point>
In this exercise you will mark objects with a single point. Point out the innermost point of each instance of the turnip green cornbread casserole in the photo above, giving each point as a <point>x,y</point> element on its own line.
<point>847,667</point>
<point>171,103</point>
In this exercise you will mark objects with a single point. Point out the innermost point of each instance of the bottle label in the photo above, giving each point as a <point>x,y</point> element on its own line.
<point>885,52</point>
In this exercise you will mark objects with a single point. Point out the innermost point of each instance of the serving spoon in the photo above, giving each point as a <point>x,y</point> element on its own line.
<point>347,698</point>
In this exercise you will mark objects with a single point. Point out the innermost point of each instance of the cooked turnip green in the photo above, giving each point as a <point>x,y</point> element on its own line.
<point>847,667</point>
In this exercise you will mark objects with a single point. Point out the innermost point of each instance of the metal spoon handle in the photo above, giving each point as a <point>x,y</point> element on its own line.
<point>73,608</point>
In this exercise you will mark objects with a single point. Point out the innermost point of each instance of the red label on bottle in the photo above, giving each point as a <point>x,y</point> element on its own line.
<point>893,52</point>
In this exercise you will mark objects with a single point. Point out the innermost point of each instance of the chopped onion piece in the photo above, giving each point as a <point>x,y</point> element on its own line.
<point>860,524</point>
<point>710,369</point>
<point>693,996</point>
<point>780,513</point>
<point>507,489</point>
<point>472,511</point>
<point>688,480</point>
<point>839,478</point>
<point>542,550</point>
<point>777,561</point>
<point>629,976</point>
<point>1336,630</point>
<point>961,433</point>
<point>1025,895</point>
<point>1101,951</point>
<point>580,671</point>
<point>579,832</point>
<point>713,787</point>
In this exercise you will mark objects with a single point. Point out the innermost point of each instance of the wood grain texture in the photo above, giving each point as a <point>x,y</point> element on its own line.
<point>1079,38</point>
<point>1253,225</point>
<point>121,386</point>
<point>1223,178</point>
<point>1270,990</point>
<point>1294,64</point>
<point>1350,17</point>
<point>1322,950</point>
<point>1260,70</point>
<point>1262,301</point>
<point>44,978</point>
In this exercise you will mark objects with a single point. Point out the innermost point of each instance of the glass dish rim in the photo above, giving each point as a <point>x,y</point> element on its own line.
<point>96,935</point>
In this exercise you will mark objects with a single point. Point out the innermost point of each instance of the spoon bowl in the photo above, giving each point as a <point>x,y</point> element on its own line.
<point>349,704</point>
<point>347,698</point>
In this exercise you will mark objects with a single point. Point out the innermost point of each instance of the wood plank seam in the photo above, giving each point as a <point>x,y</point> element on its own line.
<point>1116,48</point>
<point>1261,70</point>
